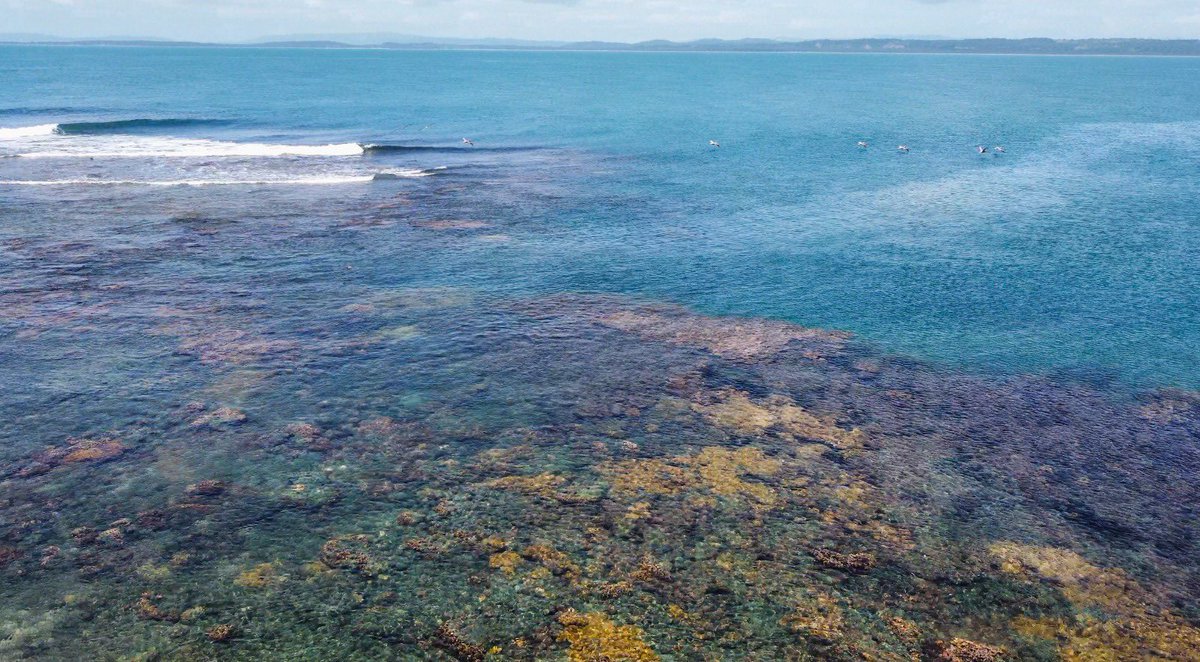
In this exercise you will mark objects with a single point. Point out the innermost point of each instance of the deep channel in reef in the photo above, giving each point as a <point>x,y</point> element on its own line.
<point>438,473</point>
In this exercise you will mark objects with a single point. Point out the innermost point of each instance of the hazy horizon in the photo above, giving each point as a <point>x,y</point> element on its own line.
<point>605,20</point>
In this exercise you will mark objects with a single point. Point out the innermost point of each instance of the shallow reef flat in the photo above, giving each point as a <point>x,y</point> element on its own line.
<point>431,473</point>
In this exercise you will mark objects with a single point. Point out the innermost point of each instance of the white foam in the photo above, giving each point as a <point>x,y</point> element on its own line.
<point>298,181</point>
<point>158,147</point>
<point>16,133</point>
<point>411,173</point>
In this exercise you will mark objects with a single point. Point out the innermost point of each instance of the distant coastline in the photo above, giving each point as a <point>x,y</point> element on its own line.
<point>1038,46</point>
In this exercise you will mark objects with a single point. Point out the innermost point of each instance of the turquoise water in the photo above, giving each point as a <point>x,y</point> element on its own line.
<point>292,372</point>
<point>1074,251</point>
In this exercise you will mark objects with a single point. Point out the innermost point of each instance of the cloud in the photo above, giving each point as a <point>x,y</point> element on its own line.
<point>625,20</point>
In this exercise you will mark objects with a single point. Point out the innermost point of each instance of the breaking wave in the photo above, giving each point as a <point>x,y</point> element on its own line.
<point>127,126</point>
<point>16,133</point>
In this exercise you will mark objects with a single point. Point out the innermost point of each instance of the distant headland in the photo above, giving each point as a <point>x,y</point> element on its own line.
<point>1036,46</point>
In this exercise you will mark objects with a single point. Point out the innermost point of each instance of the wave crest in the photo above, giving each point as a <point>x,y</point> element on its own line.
<point>125,126</point>
<point>16,133</point>
<point>296,181</point>
<point>185,148</point>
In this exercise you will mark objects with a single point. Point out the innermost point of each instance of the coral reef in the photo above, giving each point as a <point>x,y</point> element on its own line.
<point>777,494</point>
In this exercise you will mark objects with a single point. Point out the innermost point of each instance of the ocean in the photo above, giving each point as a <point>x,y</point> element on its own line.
<point>371,354</point>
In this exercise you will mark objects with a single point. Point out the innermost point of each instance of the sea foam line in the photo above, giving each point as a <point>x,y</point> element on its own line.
<point>296,181</point>
<point>300,181</point>
<point>16,133</point>
<point>174,148</point>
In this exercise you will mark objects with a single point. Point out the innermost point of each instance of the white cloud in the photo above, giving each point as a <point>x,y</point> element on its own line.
<point>608,19</point>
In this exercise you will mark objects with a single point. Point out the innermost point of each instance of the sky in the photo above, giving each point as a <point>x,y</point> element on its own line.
<point>612,20</point>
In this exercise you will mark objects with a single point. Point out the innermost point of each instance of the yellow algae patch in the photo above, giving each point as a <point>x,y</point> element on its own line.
<point>1132,626</point>
<point>1094,640</point>
<point>263,575</point>
<point>552,559</point>
<point>731,338</point>
<point>153,571</point>
<point>1081,582</point>
<point>965,650</point>
<point>720,471</point>
<point>734,410</point>
<point>593,637</point>
<point>506,562</point>
<point>543,485</point>
<point>639,510</point>
<point>648,476</point>
<point>819,619</point>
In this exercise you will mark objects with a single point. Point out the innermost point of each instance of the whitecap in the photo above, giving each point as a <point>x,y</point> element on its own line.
<point>156,147</point>
<point>296,181</point>
<point>19,132</point>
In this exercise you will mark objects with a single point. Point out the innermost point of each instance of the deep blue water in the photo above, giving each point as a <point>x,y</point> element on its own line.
<point>1073,252</point>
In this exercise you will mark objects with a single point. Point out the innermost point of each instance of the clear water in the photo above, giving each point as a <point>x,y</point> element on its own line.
<point>284,271</point>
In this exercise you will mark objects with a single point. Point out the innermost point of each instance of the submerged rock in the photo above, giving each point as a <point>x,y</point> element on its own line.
<point>735,338</point>
<point>1118,618</point>
<point>964,650</point>
<point>859,562</point>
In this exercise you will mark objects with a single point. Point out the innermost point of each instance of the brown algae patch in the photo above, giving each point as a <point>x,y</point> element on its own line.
<point>739,339</point>
<point>734,410</point>
<point>965,650</point>
<point>819,619</point>
<point>92,450</point>
<point>1118,619</point>
<point>213,343</point>
<point>731,338</point>
<point>263,575</point>
<point>506,562</point>
<point>220,416</point>
<point>718,471</point>
<point>545,485</point>
<point>594,637</point>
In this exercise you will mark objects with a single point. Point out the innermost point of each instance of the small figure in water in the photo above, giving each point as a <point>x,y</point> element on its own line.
<point>982,149</point>
<point>713,143</point>
<point>903,148</point>
<point>863,144</point>
<point>467,141</point>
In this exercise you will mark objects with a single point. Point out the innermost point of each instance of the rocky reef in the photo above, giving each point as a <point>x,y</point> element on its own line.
<point>589,478</point>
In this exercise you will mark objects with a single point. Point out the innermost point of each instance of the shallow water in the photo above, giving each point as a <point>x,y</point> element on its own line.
<point>560,395</point>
